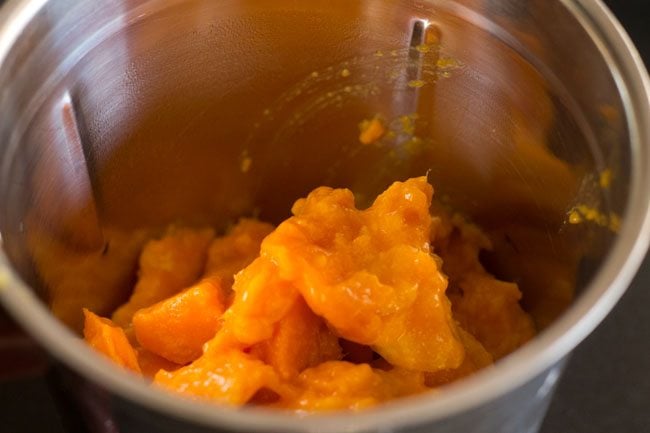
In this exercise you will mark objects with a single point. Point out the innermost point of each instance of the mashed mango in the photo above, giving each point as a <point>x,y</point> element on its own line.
<point>336,308</point>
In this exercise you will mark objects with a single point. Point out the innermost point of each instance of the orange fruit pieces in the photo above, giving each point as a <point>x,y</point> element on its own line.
<point>489,309</point>
<point>177,327</point>
<point>234,251</point>
<point>228,376</point>
<point>370,273</point>
<point>337,385</point>
<point>150,363</point>
<point>301,339</point>
<point>167,266</point>
<point>109,339</point>
<point>261,300</point>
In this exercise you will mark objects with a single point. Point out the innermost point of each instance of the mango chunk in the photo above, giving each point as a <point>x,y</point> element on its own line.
<point>476,358</point>
<point>301,339</point>
<point>150,363</point>
<point>489,309</point>
<point>107,338</point>
<point>230,377</point>
<point>231,253</point>
<point>262,299</point>
<point>370,273</point>
<point>167,266</point>
<point>177,327</point>
<point>338,385</point>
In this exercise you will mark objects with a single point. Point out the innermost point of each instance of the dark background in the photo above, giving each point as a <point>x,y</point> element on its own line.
<point>606,387</point>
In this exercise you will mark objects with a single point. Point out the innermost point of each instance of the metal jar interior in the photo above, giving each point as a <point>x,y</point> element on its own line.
<point>129,114</point>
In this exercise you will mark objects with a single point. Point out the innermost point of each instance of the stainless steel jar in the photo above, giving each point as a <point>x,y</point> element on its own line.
<point>129,113</point>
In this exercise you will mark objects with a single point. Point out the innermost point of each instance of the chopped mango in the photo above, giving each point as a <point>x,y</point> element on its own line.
<point>371,131</point>
<point>262,299</point>
<point>301,340</point>
<point>97,279</point>
<point>109,339</point>
<point>177,327</point>
<point>167,266</point>
<point>476,359</point>
<point>370,273</point>
<point>231,253</point>
<point>230,376</point>
<point>150,363</point>
<point>335,309</point>
<point>337,385</point>
<point>489,309</point>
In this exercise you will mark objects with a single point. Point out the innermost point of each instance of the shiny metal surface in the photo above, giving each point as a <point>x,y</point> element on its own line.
<point>118,115</point>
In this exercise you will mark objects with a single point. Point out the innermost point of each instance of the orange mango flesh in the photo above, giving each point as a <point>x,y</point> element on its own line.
<point>371,131</point>
<point>487,308</point>
<point>167,266</point>
<point>336,308</point>
<point>110,340</point>
<point>337,385</point>
<point>231,253</point>
<point>476,358</point>
<point>300,340</point>
<point>76,279</point>
<point>177,327</point>
<point>150,363</point>
<point>262,299</point>
<point>370,273</point>
<point>230,377</point>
